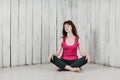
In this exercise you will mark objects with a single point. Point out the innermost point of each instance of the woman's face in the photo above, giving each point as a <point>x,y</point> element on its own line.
<point>68,28</point>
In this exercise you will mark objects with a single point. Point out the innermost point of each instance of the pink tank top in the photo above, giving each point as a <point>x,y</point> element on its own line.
<point>70,51</point>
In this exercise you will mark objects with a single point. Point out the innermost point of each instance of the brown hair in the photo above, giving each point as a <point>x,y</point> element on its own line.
<point>74,31</point>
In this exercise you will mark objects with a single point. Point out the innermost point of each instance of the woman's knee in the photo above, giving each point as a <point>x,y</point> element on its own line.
<point>85,59</point>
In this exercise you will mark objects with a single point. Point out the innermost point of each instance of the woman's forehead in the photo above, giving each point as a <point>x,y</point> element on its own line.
<point>66,24</point>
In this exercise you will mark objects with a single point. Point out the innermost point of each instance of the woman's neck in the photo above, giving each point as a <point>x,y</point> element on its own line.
<point>70,34</point>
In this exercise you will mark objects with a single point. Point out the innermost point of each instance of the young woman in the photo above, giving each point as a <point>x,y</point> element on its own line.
<point>69,42</point>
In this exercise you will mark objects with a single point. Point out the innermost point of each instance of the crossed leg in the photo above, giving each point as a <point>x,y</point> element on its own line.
<point>73,67</point>
<point>80,62</point>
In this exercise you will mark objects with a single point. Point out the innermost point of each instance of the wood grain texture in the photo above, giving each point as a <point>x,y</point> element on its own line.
<point>59,21</point>
<point>22,31</point>
<point>14,33</point>
<point>53,35</point>
<point>97,33</point>
<point>112,32</point>
<point>1,33</point>
<point>84,24</point>
<point>6,33</point>
<point>45,30</point>
<point>117,37</point>
<point>37,11</point>
<point>30,29</point>
<point>93,31</point>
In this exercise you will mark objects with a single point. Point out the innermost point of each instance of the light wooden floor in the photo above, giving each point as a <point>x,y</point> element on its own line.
<point>48,72</point>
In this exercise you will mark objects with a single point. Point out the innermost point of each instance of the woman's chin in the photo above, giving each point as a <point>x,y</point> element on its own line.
<point>68,31</point>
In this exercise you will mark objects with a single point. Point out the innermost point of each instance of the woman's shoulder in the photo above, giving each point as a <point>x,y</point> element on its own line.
<point>77,38</point>
<point>61,39</point>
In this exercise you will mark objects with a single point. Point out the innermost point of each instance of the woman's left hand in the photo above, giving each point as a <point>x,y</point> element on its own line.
<point>88,58</point>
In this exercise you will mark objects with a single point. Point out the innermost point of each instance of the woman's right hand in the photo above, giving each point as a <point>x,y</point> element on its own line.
<point>50,57</point>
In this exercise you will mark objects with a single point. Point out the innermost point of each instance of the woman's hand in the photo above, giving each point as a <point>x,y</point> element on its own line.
<point>88,58</point>
<point>50,57</point>
<point>58,50</point>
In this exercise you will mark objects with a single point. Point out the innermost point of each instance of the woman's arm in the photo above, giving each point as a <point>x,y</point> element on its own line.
<point>57,53</point>
<point>82,53</point>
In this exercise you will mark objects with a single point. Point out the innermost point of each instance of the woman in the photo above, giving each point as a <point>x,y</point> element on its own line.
<point>69,42</point>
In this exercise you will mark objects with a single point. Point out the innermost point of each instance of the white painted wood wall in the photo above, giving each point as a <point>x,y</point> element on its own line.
<point>30,29</point>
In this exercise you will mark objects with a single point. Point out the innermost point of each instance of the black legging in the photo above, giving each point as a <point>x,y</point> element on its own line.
<point>73,63</point>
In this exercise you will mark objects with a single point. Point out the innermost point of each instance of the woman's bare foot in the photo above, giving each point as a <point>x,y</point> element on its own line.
<point>58,69</point>
<point>72,69</point>
<point>76,69</point>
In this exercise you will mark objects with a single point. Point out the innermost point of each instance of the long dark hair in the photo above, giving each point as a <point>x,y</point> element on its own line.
<point>74,31</point>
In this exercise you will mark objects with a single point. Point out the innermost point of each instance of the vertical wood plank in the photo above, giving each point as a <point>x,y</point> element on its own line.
<point>64,9</point>
<point>107,32</point>
<point>69,10</point>
<point>93,31</point>
<point>29,35</point>
<point>112,32</point>
<point>80,23</point>
<point>74,12</point>
<point>103,33</point>
<point>45,30</point>
<point>22,31</point>
<point>88,25</point>
<point>52,20</point>
<point>102,30</point>
<point>97,24</point>
<point>117,37</point>
<point>37,55</point>
<point>14,33</point>
<point>59,22</point>
<point>6,33</point>
<point>1,33</point>
<point>84,24</point>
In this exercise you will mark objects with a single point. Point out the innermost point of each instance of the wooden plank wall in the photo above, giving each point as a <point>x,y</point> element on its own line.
<point>30,29</point>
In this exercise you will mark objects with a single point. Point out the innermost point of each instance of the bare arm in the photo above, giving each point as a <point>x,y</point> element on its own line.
<point>57,53</point>
<point>80,48</point>
<point>82,53</point>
